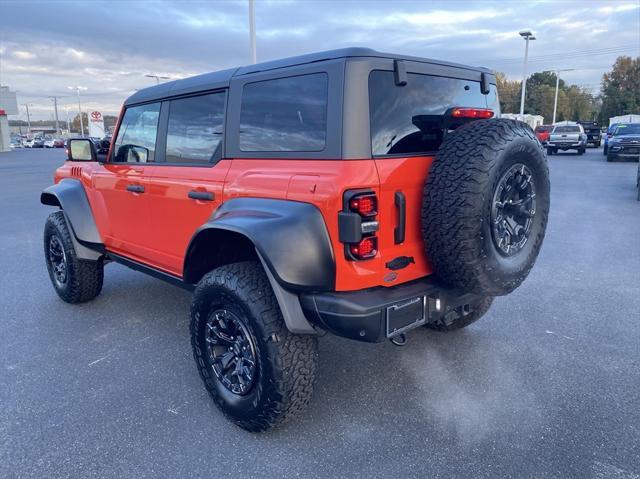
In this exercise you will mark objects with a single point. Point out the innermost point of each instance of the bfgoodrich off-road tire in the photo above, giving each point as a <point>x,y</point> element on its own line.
<point>75,280</point>
<point>454,320</point>
<point>281,383</point>
<point>467,187</point>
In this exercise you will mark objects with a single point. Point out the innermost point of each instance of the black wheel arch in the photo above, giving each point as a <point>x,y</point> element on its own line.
<point>290,237</point>
<point>70,196</point>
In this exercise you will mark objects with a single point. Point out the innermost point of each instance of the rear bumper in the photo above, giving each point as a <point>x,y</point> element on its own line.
<point>364,315</point>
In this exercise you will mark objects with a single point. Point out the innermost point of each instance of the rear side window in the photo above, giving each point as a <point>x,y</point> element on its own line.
<point>136,140</point>
<point>195,129</point>
<point>285,114</point>
<point>408,120</point>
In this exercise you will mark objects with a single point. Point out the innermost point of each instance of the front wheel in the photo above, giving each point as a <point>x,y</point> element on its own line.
<point>257,372</point>
<point>75,280</point>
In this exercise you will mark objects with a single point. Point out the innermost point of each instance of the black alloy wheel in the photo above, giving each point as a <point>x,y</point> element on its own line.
<point>58,260</point>
<point>514,207</point>
<point>231,351</point>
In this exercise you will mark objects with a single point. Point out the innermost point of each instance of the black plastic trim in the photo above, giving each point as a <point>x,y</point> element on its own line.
<point>156,273</point>
<point>69,194</point>
<point>290,236</point>
<point>361,315</point>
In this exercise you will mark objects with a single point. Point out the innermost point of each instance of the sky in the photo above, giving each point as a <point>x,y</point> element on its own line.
<point>107,47</point>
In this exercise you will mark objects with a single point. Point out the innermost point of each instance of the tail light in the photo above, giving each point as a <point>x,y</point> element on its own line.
<point>473,113</point>
<point>365,205</point>
<point>358,225</point>
<point>367,248</point>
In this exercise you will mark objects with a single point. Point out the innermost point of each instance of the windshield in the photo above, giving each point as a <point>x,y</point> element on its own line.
<point>627,130</point>
<point>567,129</point>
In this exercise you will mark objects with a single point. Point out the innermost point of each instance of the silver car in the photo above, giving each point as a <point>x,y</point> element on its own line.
<point>567,137</point>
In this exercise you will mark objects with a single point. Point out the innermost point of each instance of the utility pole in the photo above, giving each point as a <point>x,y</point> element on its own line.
<point>555,102</point>
<point>55,107</point>
<point>66,109</point>
<point>77,89</point>
<point>26,105</point>
<point>527,35</point>
<point>252,30</point>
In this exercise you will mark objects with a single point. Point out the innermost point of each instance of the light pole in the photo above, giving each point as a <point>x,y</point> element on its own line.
<point>555,102</point>
<point>26,105</point>
<point>77,89</point>
<point>252,30</point>
<point>527,35</point>
<point>157,77</point>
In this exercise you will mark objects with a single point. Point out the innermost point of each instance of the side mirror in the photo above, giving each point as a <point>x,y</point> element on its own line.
<point>82,149</point>
<point>132,154</point>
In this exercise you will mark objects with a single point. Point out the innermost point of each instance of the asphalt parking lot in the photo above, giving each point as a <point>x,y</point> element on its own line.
<point>546,385</point>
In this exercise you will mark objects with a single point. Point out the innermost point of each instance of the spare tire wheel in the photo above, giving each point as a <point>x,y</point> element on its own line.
<point>485,206</point>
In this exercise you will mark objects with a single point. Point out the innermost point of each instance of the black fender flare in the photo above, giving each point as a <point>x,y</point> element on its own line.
<point>70,196</point>
<point>291,238</point>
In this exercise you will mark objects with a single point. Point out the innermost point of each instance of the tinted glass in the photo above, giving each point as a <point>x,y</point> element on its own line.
<point>194,132</point>
<point>633,129</point>
<point>286,114</point>
<point>136,141</point>
<point>409,119</point>
<point>567,129</point>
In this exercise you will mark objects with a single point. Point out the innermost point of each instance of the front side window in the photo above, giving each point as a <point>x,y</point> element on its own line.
<point>409,119</point>
<point>195,129</point>
<point>285,114</point>
<point>136,141</point>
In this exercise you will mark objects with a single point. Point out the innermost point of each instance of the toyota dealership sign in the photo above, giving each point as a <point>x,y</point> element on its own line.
<point>96,124</point>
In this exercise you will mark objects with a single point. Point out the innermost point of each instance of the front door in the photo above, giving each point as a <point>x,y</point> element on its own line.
<point>120,186</point>
<point>186,185</point>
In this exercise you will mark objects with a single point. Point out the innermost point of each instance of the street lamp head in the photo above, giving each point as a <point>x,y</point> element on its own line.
<point>532,38</point>
<point>525,33</point>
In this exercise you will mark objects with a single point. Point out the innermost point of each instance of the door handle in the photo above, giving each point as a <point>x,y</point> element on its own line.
<point>201,195</point>
<point>401,206</point>
<point>135,188</point>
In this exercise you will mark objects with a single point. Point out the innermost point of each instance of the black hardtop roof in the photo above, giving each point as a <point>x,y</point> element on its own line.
<point>221,79</point>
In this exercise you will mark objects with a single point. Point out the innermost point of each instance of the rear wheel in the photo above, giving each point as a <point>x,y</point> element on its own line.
<point>257,372</point>
<point>485,206</point>
<point>457,320</point>
<point>75,280</point>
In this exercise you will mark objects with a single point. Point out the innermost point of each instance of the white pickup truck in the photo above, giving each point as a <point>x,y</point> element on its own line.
<point>567,137</point>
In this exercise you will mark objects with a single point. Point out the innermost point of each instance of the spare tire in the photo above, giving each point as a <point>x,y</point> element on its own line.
<point>485,206</point>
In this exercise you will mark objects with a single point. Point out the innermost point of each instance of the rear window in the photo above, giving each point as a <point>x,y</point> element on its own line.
<point>285,114</point>
<point>567,129</point>
<point>408,120</point>
<point>543,128</point>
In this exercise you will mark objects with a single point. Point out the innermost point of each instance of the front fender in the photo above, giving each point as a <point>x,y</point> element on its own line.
<point>69,194</point>
<point>291,237</point>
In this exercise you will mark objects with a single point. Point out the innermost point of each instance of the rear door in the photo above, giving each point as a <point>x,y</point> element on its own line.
<point>186,185</point>
<point>406,131</point>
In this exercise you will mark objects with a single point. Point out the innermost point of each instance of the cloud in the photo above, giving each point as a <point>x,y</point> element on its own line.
<point>47,46</point>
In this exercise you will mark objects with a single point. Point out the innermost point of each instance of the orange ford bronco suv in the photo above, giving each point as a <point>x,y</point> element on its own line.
<point>355,192</point>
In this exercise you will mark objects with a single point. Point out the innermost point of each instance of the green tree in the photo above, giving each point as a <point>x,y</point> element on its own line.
<point>621,88</point>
